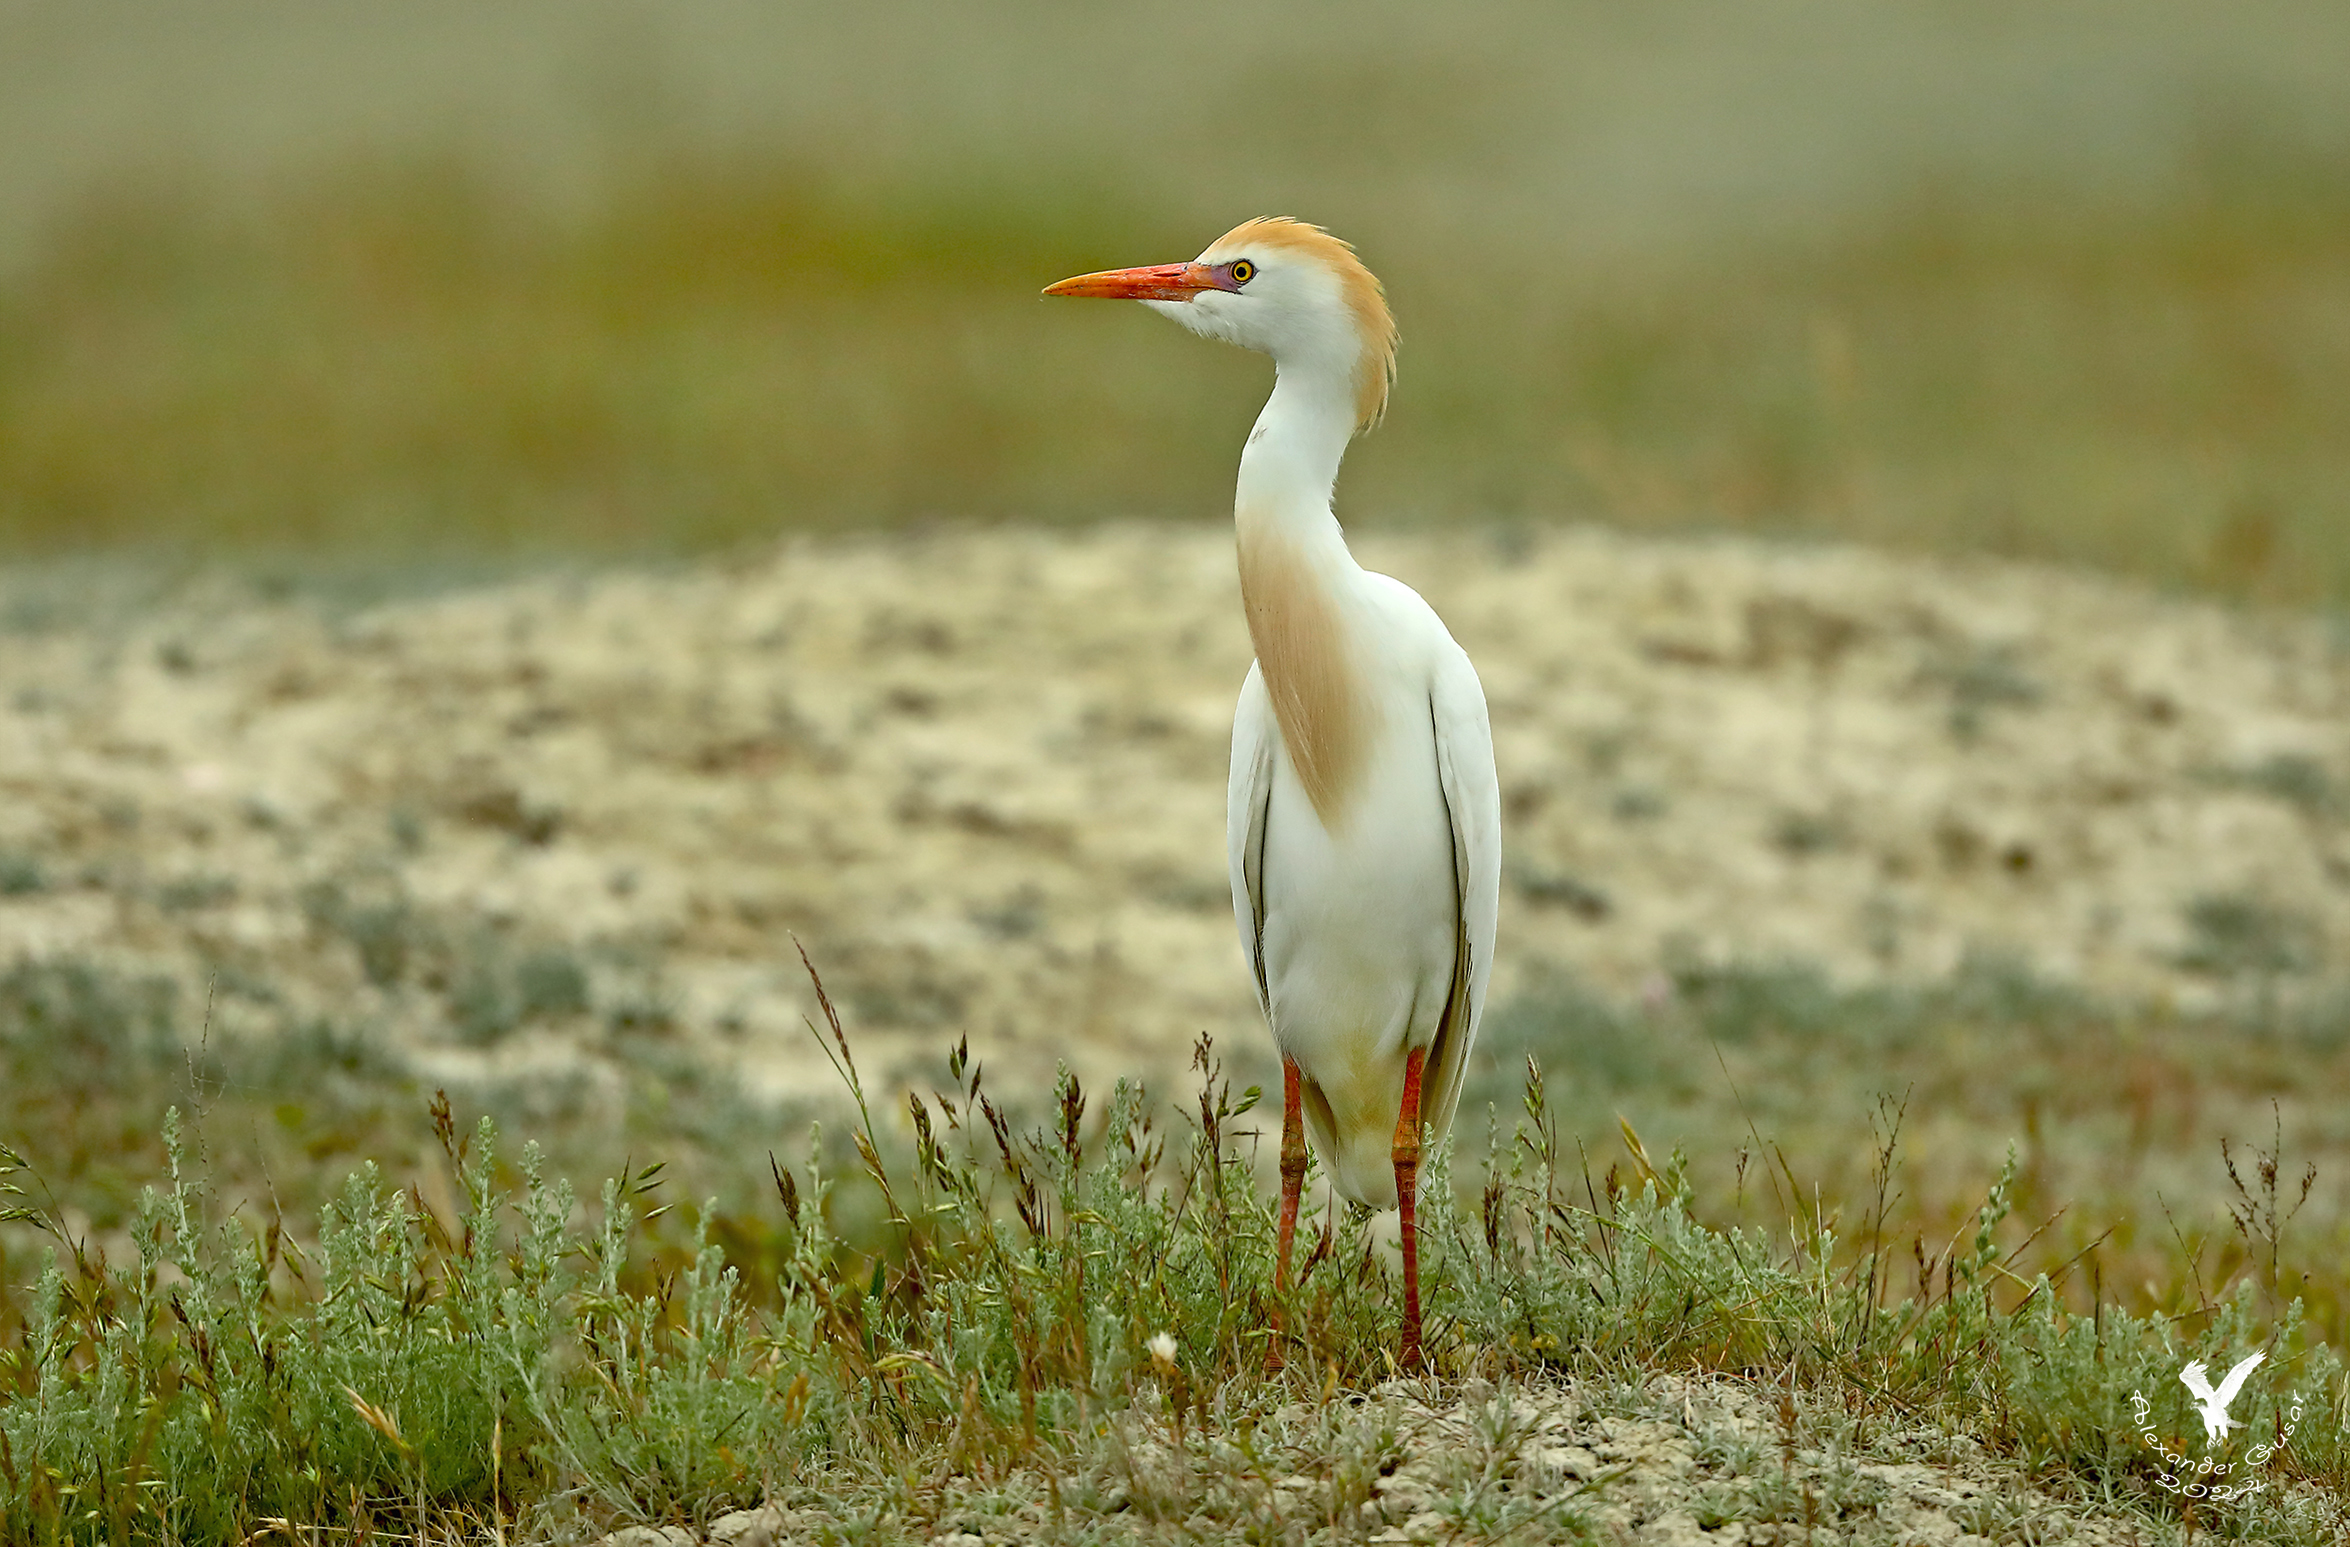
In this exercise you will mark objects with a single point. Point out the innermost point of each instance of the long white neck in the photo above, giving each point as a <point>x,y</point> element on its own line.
<point>1290,464</point>
<point>1297,583</point>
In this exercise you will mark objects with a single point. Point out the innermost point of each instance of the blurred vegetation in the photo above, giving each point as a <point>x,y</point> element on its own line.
<point>400,356</point>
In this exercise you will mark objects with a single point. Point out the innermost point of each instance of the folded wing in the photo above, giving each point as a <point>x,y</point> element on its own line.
<point>1472,802</point>
<point>1246,801</point>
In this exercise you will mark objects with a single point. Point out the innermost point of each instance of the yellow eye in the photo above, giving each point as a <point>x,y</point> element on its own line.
<point>1243,272</point>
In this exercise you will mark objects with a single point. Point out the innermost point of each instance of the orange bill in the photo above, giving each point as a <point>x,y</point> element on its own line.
<point>1162,282</point>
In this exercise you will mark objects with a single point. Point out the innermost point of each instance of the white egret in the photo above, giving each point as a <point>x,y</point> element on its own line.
<point>1364,817</point>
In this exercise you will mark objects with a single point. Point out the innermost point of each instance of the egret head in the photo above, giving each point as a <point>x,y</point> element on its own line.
<point>1277,285</point>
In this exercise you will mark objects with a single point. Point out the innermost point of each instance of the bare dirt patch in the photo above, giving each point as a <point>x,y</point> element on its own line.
<point>1666,1461</point>
<point>981,778</point>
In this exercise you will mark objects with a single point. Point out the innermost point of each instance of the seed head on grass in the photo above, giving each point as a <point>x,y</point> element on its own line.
<point>539,1363</point>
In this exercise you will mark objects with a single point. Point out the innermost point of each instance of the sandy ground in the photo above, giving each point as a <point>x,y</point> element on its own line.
<point>1671,1462</point>
<point>981,779</point>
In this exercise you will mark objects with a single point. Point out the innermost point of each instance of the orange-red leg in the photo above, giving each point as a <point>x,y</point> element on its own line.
<point>1293,1180</point>
<point>1407,1185</point>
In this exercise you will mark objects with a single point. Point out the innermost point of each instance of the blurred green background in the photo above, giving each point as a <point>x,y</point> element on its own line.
<point>395,283</point>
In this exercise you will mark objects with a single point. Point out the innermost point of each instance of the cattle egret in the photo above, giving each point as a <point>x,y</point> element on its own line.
<point>1363,827</point>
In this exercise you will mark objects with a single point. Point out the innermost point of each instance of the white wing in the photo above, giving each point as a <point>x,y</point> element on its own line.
<point>1472,800</point>
<point>2235,1380</point>
<point>2198,1383</point>
<point>1246,799</point>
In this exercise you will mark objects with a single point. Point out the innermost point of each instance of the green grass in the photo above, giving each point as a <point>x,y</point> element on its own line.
<point>2121,1117</point>
<point>964,1310</point>
<point>403,358</point>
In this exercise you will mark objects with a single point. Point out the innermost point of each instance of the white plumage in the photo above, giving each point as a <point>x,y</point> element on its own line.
<point>1364,816</point>
<point>1358,929</point>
